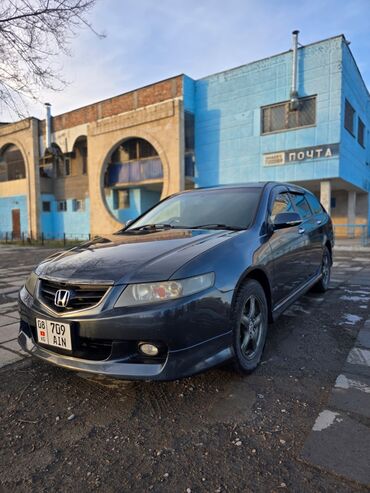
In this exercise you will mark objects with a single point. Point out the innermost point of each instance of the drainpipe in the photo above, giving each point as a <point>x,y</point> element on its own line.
<point>48,125</point>
<point>294,100</point>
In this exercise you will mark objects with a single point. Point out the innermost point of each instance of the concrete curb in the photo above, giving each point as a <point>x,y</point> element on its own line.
<point>338,442</point>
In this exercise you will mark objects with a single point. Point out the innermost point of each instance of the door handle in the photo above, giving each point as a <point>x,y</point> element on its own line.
<point>318,221</point>
<point>301,231</point>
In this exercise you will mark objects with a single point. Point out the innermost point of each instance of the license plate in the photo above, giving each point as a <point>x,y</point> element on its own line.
<point>54,333</point>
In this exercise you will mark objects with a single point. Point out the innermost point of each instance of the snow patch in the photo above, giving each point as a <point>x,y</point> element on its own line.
<point>359,356</point>
<point>346,383</point>
<point>350,319</point>
<point>356,299</point>
<point>325,419</point>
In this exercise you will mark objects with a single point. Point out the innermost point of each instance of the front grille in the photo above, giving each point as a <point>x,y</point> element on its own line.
<point>81,296</point>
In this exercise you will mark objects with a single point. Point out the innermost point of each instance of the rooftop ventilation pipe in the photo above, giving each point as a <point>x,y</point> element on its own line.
<point>48,125</point>
<point>294,100</point>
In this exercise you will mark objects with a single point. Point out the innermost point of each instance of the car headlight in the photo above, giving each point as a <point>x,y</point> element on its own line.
<point>154,292</point>
<point>31,283</point>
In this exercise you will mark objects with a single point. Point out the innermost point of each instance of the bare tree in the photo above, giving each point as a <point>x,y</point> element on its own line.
<point>32,34</point>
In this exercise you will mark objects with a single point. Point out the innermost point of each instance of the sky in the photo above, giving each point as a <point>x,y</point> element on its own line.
<point>151,40</point>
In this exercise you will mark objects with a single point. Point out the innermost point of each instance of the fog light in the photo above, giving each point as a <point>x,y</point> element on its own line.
<point>148,349</point>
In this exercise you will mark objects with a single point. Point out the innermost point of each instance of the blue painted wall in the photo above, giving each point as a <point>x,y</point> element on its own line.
<point>6,206</point>
<point>229,144</point>
<point>354,159</point>
<point>188,88</point>
<point>140,201</point>
<point>74,224</point>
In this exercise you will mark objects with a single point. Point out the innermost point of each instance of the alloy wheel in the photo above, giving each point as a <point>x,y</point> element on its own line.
<point>251,327</point>
<point>325,270</point>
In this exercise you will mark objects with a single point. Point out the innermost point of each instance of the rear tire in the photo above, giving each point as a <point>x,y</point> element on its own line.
<point>323,284</point>
<point>250,321</point>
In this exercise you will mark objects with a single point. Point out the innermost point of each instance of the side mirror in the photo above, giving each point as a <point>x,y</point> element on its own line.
<point>286,220</point>
<point>128,222</point>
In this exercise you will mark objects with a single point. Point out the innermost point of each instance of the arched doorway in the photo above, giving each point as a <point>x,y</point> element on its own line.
<point>133,179</point>
<point>12,165</point>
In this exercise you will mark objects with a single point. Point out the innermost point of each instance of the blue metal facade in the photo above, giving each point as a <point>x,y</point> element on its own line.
<point>231,147</point>
<point>354,165</point>
<point>229,142</point>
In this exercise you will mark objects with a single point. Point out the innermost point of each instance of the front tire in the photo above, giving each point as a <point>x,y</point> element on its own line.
<point>250,321</point>
<point>323,284</point>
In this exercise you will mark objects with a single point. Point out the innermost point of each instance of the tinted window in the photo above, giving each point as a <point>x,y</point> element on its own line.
<point>46,206</point>
<point>282,203</point>
<point>233,207</point>
<point>361,132</point>
<point>349,114</point>
<point>302,206</point>
<point>314,203</point>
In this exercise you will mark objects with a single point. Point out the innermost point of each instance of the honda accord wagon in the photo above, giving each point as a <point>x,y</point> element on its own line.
<point>193,282</point>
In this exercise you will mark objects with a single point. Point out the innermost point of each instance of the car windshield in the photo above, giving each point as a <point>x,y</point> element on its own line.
<point>226,208</point>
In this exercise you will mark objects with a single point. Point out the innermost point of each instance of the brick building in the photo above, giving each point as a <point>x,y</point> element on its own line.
<point>301,116</point>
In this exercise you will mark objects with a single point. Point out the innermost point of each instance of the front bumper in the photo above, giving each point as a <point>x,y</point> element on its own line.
<point>194,335</point>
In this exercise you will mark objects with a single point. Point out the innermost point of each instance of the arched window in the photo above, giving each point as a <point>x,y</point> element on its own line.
<point>12,165</point>
<point>133,178</point>
<point>53,164</point>
<point>135,160</point>
<point>79,156</point>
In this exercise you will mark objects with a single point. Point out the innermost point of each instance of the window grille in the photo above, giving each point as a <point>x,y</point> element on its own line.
<point>279,117</point>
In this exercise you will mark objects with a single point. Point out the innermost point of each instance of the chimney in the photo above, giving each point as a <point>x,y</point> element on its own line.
<point>48,125</point>
<point>294,99</point>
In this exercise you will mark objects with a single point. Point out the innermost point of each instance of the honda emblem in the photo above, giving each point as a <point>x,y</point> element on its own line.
<point>61,298</point>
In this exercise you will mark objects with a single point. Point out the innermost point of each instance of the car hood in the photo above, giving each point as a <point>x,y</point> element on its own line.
<point>127,258</point>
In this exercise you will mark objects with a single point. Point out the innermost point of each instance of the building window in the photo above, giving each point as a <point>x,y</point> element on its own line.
<point>361,133</point>
<point>349,118</point>
<point>67,166</point>
<point>84,160</point>
<point>62,206</point>
<point>12,165</point>
<point>121,199</point>
<point>46,206</point>
<point>189,144</point>
<point>63,165</point>
<point>280,117</point>
<point>78,205</point>
<point>133,150</point>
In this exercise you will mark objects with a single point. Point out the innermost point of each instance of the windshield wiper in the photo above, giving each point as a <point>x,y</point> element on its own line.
<point>151,227</point>
<point>218,226</point>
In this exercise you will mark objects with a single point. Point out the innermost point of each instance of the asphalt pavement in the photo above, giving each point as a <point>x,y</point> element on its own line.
<point>300,423</point>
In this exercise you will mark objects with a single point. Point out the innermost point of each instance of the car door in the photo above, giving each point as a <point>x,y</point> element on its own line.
<point>288,248</point>
<point>307,230</point>
<point>319,219</point>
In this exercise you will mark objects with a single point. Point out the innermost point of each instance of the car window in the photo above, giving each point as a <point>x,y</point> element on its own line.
<point>231,207</point>
<point>301,205</point>
<point>282,203</point>
<point>314,203</point>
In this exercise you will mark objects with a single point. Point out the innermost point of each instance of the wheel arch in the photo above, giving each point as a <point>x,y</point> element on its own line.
<point>329,247</point>
<point>259,275</point>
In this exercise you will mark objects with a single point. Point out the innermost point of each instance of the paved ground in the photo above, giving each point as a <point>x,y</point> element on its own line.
<point>299,423</point>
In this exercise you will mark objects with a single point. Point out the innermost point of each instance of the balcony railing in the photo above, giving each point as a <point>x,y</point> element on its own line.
<point>135,171</point>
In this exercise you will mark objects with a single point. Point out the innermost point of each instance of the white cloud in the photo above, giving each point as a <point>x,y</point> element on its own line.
<point>149,40</point>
